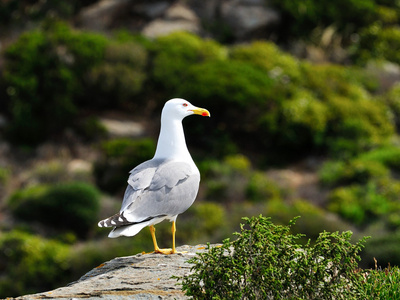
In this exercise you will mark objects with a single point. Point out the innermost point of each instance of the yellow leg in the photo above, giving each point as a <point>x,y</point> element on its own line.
<point>156,248</point>
<point>153,236</point>
<point>173,230</point>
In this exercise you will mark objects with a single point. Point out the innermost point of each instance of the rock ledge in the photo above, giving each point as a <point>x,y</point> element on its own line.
<point>141,276</point>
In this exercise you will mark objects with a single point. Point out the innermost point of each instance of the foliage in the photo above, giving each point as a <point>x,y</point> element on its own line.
<point>120,77</point>
<point>173,54</point>
<point>304,15</point>
<point>357,171</point>
<point>4,175</point>
<point>227,179</point>
<point>392,100</point>
<point>121,156</point>
<point>379,42</point>
<point>203,221</point>
<point>30,263</point>
<point>69,206</point>
<point>266,261</point>
<point>357,126</point>
<point>382,284</point>
<point>388,156</point>
<point>365,203</point>
<point>268,57</point>
<point>260,188</point>
<point>43,75</point>
<point>14,12</point>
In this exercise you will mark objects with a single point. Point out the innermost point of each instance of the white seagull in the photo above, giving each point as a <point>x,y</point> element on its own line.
<point>163,187</point>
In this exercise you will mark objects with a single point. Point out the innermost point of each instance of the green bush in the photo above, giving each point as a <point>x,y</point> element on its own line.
<point>43,74</point>
<point>379,42</point>
<point>204,221</point>
<point>268,57</point>
<point>357,126</point>
<point>175,53</point>
<point>226,181</point>
<point>260,188</point>
<point>266,261</point>
<point>314,219</point>
<point>302,16</point>
<point>362,204</point>
<point>328,80</point>
<point>120,77</point>
<point>358,171</point>
<point>70,206</point>
<point>121,156</point>
<point>388,156</point>
<point>30,264</point>
<point>392,100</point>
<point>382,284</point>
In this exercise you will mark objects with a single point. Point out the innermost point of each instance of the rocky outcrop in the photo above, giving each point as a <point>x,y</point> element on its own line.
<point>246,19</point>
<point>141,276</point>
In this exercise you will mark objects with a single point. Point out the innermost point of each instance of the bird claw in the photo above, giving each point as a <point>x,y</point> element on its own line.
<point>167,251</point>
<point>164,251</point>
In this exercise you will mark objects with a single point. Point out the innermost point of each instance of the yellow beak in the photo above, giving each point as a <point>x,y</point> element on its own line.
<point>201,111</point>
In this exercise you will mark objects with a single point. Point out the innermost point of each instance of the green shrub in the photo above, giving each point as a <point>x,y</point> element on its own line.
<point>176,52</point>
<point>392,100</point>
<point>121,156</point>
<point>30,264</point>
<point>304,15</point>
<point>363,204</point>
<point>357,126</point>
<point>226,180</point>
<point>268,57</point>
<point>328,80</point>
<point>266,261</point>
<point>314,219</point>
<point>260,188</point>
<point>233,83</point>
<point>204,221</point>
<point>382,284</point>
<point>388,156</point>
<point>4,175</point>
<point>379,42</point>
<point>120,77</point>
<point>358,171</point>
<point>43,74</point>
<point>301,123</point>
<point>70,206</point>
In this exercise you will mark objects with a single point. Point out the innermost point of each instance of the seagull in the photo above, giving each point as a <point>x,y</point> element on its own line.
<point>163,187</point>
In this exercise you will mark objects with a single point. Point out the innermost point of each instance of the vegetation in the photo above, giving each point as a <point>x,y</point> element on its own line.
<point>69,206</point>
<point>266,261</point>
<point>333,127</point>
<point>29,263</point>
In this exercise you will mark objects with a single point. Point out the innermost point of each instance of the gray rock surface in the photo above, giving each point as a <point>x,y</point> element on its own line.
<point>247,19</point>
<point>141,276</point>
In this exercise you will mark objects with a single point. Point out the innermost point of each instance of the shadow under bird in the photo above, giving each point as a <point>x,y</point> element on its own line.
<point>163,187</point>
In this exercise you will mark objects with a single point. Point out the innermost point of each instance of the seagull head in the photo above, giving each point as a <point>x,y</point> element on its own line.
<point>178,108</point>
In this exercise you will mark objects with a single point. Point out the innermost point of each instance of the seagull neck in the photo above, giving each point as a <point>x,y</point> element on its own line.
<point>171,142</point>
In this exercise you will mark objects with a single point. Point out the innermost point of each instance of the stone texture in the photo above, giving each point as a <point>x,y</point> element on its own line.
<point>178,17</point>
<point>101,15</point>
<point>247,17</point>
<point>122,128</point>
<point>141,276</point>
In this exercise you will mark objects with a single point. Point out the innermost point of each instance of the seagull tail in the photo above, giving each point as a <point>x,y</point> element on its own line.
<point>128,230</point>
<point>115,220</point>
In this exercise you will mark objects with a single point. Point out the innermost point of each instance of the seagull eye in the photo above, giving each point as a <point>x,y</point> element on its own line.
<point>184,104</point>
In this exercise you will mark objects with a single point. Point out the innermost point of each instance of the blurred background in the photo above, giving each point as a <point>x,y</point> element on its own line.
<point>305,104</point>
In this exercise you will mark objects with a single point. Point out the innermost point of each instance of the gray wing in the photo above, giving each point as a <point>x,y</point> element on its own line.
<point>159,188</point>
